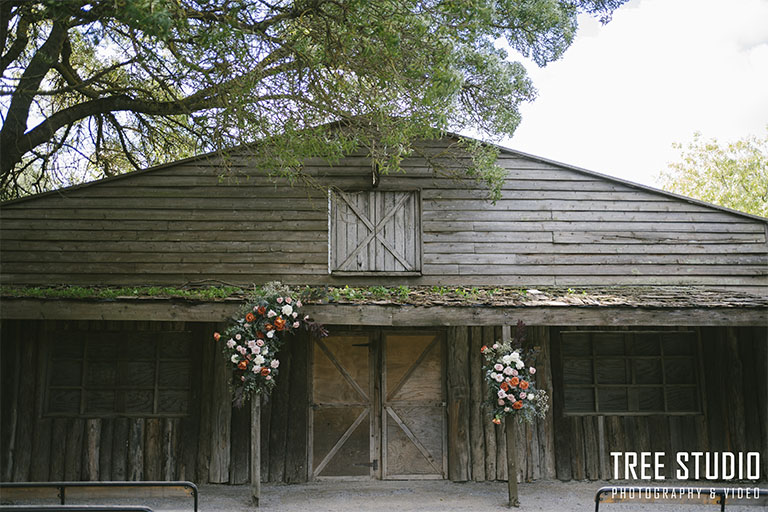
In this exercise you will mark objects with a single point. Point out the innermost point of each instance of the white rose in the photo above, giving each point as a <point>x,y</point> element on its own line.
<point>287,310</point>
<point>235,358</point>
<point>256,369</point>
<point>275,363</point>
<point>265,350</point>
<point>493,375</point>
<point>507,359</point>
<point>515,356</point>
<point>498,367</point>
<point>530,396</point>
<point>519,365</point>
<point>259,360</point>
<point>231,343</point>
<point>271,334</point>
<point>271,314</point>
<point>501,393</point>
<point>255,349</point>
<point>499,377</point>
<point>508,370</point>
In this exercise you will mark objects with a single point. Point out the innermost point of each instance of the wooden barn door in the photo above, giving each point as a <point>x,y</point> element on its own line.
<point>378,406</point>
<point>413,415</point>
<point>343,407</point>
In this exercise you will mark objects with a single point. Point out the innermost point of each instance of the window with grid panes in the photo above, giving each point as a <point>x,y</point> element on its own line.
<point>630,372</point>
<point>103,374</point>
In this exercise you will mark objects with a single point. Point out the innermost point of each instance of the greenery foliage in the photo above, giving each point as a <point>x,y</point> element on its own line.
<point>91,88</point>
<point>734,175</point>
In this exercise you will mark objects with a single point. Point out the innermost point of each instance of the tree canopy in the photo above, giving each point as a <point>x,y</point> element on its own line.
<point>734,175</point>
<point>96,87</point>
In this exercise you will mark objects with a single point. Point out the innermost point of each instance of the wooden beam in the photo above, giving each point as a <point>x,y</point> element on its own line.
<point>256,449</point>
<point>385,315</point>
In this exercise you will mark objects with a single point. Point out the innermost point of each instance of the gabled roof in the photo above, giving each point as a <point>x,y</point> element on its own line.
<point>502,149</point>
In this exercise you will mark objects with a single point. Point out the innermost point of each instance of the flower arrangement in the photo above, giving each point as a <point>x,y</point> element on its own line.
<point>256,335</point>
<point>509,374</point>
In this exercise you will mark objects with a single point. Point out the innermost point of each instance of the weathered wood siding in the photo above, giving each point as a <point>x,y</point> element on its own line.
<point>210,444</point>
<point>735,418</point>
<point>554,225</point>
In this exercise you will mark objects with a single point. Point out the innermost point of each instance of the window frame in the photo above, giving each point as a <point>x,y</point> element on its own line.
<point>89,337</point>
<point>629,358</point>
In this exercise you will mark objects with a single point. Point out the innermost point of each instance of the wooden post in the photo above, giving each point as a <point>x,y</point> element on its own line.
<point>511,463</point>
<point>256,449</point>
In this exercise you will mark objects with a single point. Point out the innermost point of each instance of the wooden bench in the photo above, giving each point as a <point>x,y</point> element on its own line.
<point>90,490</point>
<point>749,496</point>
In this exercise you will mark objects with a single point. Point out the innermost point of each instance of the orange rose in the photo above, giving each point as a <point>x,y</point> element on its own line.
<point>265,371</point>
<point>483,348</point>
<point>524,384</point>
<point>517,405</point>
<point>514,381</point>
<point>250,318</point>
<point>261,310</point>
<point>242,365</point>
<point>504,386</point>
<point>496,421</point>
<point>269,327</point>
<point>260,335</point>
<point>279,323</point>
<point>216,336</point>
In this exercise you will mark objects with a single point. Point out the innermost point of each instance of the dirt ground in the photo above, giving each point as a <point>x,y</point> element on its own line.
<point>412,496</point>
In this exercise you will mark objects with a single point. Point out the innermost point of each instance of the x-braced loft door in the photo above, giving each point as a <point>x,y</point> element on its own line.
<point>378,406</point>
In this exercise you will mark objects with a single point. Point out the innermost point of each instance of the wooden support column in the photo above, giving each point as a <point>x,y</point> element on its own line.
<point>256,449</point>
<point>511,462</point>
<point>458,404</point>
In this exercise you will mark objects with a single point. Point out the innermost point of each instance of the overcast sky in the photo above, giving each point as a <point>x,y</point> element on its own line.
<point>661,70</point>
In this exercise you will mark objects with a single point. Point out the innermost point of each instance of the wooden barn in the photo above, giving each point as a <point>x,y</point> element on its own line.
<point>649,309</point>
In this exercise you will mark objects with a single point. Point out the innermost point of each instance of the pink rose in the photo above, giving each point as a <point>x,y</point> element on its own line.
<point>514,373</point>
<point>531,370</point>
<point>268,377</point>
<point>279,300</point>
<point>298,303</point>
<point>260,343</point>
<point>295,325</point>
<point>288,300</point>
<point>501,402</point>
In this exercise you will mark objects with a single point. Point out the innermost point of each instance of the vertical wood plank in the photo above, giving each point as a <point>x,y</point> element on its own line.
<point>615,433</point>
<point>255,452</point>
<point>540,337</point>
<point>760,335</point>
<point>58,448</point>
<point>458,404</point>
<point>91,454</point>
<point>296,463</point>
<point>74,451</point>
<point>562,427</point>
<point>591,448</point>
<point>135,458</point>
<point>26,405</point>
<point>10,366</point>
<point>477,385</point>
<point>278,432</point>
<point>41,451</point>
<point>577,448</point>
<point>169,446</point>
<point>501,453</point>
<point>221,416</point>
<point>736,407</point>
<point>240,455</point>
<point>152,450</point>
<point>208,359</point>
<point>189,426</point>
<point>120,435</point>
<point>105,449</point>
<point>489,432</point>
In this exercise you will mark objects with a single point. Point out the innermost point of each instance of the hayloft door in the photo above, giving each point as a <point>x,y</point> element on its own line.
<point>378,406</point>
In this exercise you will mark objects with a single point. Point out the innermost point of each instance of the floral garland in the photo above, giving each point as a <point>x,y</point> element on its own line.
<point>511,384</point>
<point>253,340</point>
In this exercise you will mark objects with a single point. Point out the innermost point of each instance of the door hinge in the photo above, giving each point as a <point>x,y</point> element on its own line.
<point>374,464</point>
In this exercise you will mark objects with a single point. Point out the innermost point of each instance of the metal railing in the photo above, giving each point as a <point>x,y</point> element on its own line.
<point>188,487</point>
